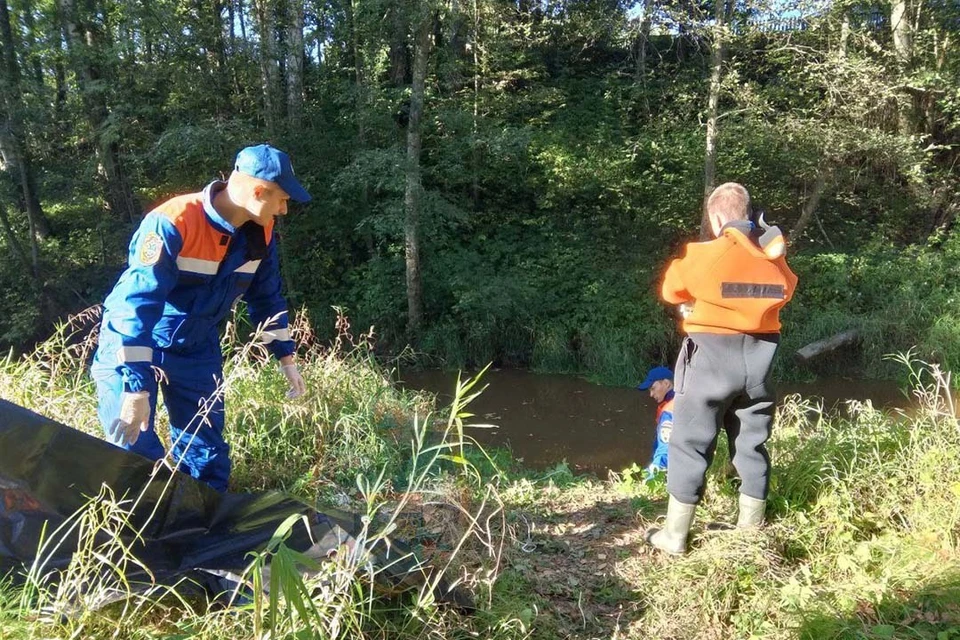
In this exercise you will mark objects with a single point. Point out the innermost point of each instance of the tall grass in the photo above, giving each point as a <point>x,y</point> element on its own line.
<point>863,536</point>
<point>862,541</point>
<point>351,439</point>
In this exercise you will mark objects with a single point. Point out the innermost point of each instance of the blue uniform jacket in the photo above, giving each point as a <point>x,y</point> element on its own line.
<point>187,268</point>
<point>664,427</point>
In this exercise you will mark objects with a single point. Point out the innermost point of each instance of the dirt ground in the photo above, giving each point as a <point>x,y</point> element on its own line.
<point>577,548</point>
<point>568,556</point>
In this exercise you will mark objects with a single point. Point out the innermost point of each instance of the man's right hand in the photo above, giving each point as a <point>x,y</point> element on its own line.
<point>134,418</point>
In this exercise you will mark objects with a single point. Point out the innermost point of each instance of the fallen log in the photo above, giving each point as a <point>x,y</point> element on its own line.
<point>820,347</point>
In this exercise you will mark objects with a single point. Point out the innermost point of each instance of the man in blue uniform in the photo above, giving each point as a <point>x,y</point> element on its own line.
<point>659,382</point>
<point>191,259</point>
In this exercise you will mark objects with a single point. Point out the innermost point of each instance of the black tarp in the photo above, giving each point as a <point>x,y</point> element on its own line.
<point>48,471</point>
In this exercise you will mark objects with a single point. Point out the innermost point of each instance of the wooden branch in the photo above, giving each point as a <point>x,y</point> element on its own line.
<point>809,207</point>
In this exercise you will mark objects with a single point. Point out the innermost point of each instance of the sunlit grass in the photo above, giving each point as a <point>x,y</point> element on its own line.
<point>862,539</point>
<point>351,439</point>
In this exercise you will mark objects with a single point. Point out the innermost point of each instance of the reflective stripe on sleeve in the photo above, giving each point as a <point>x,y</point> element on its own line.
<point>134,354</point>
<point>270,335</point>
<point>197,265</point>
<point>248,267</point>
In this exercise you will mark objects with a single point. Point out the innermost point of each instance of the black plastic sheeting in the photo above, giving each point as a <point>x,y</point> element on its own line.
<point>48,471</point>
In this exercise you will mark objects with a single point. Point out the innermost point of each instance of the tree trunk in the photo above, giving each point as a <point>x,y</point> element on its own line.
<point>15,247</point>
<point>147,34</point>
<point>716,73</point>
<point>242,15</point>
<point>60,82</point>
<point>83,52</point>
<point>217,57</point>
<point>475,129</point>
<point>810,206</point>
<point>17,159</point>
<point>398,52</point>
<point>901,26</point>
<point>902,30</point>
<point>359,79</point>
<point>844,35</point>
<point>235,15</point>
<point>269,71</point>
<point>640,70</point>
<point>31,45</point>
<point>231,17</point>
<point>57,38</point>
<point>294,63</point>
<point>456,46</point>
<point>414,189</point>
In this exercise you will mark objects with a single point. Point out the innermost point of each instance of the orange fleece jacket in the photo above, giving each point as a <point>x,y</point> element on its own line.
<point>734,285</point>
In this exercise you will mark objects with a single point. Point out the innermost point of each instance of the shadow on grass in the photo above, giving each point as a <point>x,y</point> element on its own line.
<point>931,611</point>
<point>567,563</point>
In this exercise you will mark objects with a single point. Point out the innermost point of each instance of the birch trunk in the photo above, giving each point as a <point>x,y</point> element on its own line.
<point>640,71</point>
<point>716,74</point>
<point>414,189</point>
<point>294,63</point>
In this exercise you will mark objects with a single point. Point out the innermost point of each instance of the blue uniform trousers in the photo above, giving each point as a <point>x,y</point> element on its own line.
<point>190,384</point>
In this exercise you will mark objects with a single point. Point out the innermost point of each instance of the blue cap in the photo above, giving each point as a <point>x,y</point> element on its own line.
<point>271,164</point>
<point>655,374</point>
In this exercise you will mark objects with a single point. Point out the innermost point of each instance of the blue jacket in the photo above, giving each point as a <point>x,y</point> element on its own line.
<point>187,268</point>
<point>664,427</point>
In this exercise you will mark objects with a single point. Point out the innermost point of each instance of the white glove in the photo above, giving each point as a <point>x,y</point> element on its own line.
<point>685,309</point>
<point>134,418</point>
<point>297,386</point>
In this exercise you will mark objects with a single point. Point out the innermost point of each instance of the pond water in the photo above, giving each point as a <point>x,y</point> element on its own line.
<point>545,419</point>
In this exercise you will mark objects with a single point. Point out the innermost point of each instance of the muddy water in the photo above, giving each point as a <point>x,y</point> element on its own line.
<point>545,419</point>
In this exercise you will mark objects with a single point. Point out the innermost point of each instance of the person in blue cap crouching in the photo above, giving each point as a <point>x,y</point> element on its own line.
<point>659,382</point>
<point>191,258</point>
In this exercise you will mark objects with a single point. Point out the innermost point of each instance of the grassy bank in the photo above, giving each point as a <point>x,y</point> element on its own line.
<point>862,540</point>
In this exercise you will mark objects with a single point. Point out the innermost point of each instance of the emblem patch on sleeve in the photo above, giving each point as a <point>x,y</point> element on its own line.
<point>665,429</point>
<point>150,248</point>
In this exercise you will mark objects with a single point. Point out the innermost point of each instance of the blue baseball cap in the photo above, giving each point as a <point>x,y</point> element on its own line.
<point>655,374</point>
<point>270,164</point>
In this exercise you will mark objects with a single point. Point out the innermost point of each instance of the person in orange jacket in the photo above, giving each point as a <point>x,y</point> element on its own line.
<point>732,289</point>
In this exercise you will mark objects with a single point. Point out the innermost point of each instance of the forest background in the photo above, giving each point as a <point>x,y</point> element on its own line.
<point>500,181</point>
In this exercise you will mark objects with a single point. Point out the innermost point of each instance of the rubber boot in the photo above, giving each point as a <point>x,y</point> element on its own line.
<point>751,512</point>
<point>672,538</point>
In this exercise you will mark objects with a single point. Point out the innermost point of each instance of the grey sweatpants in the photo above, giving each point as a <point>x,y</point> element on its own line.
<point>722,381</point>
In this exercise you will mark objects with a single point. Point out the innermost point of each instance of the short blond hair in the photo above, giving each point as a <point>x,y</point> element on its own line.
<point>730,201</point>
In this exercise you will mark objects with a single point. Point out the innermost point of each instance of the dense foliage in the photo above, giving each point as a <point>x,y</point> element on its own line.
<point>563,150</point>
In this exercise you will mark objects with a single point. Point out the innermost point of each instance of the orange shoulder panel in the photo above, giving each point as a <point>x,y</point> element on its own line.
<point>200,239</point>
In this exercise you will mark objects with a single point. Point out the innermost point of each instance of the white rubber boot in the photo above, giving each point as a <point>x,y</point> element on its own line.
<point>672,538</point>
<point>751,512</point>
